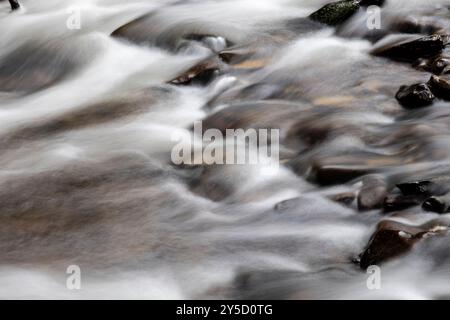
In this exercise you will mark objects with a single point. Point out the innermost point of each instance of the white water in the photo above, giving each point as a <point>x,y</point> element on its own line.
<point>139,230</point>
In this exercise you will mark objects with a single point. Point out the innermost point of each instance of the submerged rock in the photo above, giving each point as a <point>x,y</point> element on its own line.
<point>415,96</point>
<point>411,48</point>
<point>200,74</point>
<point>373,193</point>
<point>399,202</point>
<point>35,66</point>
<point>335,13</point>
<point>392,239</point>
<point>437,204</point>
<point>345,198</point>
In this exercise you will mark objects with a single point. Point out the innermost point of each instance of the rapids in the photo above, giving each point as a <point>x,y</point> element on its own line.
<point>86,177</point>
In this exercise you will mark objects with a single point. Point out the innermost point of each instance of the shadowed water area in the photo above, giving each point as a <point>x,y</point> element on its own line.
<point>88,117</point>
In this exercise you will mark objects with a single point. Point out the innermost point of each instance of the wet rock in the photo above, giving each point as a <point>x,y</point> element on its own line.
<point>437,204</point>
<point>392,239</point>
<point>152,29</point>
<point>437,65</point>
<point>440,87</point>
<point>418,25</point>
<point>200,74</point>
<point>434,186</point>
<point>335,13</point>
<point>367,3</point>
<point>116,108</point>
<point>416,96</point>
<point>411,48</point>
<point>326,175</point>
<point>373,193</point>
<point>14,4</point>
<point>398,202</point>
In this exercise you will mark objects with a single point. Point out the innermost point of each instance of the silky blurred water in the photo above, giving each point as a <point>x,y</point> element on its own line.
<point>79,186</point>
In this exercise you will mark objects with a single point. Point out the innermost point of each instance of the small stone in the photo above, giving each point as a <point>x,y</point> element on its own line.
<point>437,204</point>
<point>201,74</point>
<point>415,96</point>
<point>440,65</point>
<point>335,13</point>
<point>440,87</point>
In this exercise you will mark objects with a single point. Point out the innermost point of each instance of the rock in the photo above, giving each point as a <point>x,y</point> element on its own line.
<point>400,202</point>
<point>335,13</point>
<point>441,65</point>
<point>434,186</point>
<point>411,48</point>
<point>373,193</point>
<point>326,175</point>
<point>200,74</point>
<point>36,66</point>
<point>366,3</point>
<point>14,4</point>
<point>392,239</point>
<point>440,87</point>
<point>437,65</point>
<point>416,96</point>
<point>437,204</point>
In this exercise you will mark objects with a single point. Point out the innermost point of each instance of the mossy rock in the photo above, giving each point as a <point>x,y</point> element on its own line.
<point>335,13</point>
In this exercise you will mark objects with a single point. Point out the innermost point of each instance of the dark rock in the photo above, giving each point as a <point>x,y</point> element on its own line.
<point>373,193</point>
<point>14,4</point>
<point>414,188</point>
<point>326,175</point>
<point>437,65</point>
<point>392,239</point>
<point>400,202</point>
<point>415,96</point>
<point>200,74</point>
<point>367,3</point>
<point>335,13</point>
<point>434,186</point>
<point>411,49</point>
<point>437,204</point>
<point>440,87</point>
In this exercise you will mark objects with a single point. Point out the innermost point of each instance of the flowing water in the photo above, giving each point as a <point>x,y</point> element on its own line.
<point>87,123</point>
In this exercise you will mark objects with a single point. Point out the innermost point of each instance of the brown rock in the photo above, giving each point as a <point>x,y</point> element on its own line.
<point>440,87</point>
<point>200,74</point>
<point>392,239</point>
